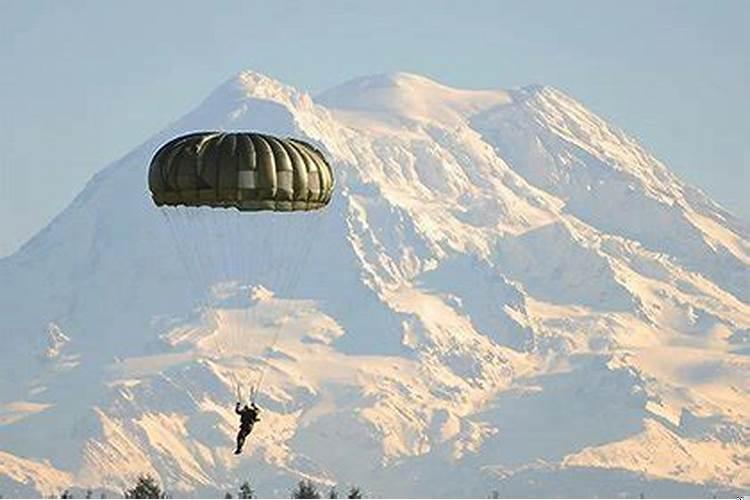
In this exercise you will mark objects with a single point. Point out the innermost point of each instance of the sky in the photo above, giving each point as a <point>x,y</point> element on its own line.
<point>84,82</point>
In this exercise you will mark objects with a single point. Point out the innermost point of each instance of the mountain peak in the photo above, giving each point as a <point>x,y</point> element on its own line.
<point>403,94</point>
<point>253,81</point>
<point>250,84</point>
<point>249,100</point>
<point>402,79</point>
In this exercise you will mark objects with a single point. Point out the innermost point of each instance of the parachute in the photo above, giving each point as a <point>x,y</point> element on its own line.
<point>250,172</point>
<point>243,210</point>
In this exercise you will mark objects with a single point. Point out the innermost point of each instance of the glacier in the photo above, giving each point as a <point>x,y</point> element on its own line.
<point>507,294</point>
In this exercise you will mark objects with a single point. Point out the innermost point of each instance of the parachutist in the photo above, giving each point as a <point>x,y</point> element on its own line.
<point>197,177</point>
<point>248,417</point>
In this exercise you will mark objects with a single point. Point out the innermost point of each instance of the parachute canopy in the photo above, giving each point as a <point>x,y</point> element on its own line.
<point>247,171</point>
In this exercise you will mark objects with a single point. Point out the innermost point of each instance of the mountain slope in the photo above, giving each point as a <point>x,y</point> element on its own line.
<point>505,293</point>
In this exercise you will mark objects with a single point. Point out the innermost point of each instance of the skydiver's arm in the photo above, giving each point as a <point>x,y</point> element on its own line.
<point>237,408</point>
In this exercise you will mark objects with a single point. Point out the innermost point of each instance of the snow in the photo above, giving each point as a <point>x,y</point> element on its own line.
<point>400,96</point>
<point>507,293</point>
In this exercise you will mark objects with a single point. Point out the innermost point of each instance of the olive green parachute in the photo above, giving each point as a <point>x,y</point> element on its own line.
<point>230,255</point>
<point>247,171</point>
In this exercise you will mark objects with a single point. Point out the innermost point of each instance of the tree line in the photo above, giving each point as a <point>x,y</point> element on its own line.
<point>146,486</point>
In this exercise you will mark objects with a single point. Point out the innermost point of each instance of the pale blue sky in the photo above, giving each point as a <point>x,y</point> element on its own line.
<point>82,83</point>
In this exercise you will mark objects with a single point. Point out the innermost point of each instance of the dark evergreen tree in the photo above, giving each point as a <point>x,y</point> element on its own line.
<point>145,487</point>
<point>246,491</point>
<point>88,494</point>
<point>227,495</point>
<point>354,492</point>
<point>305,489</point>
<point>332,493</point>
<point>66,494</point>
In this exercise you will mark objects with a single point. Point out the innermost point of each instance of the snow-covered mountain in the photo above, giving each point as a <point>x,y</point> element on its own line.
<point>506,294</point>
